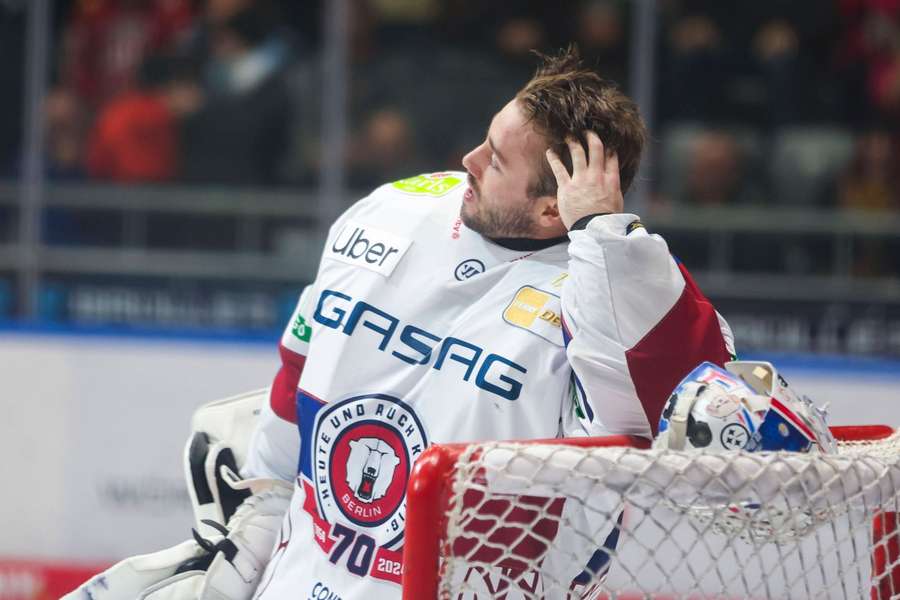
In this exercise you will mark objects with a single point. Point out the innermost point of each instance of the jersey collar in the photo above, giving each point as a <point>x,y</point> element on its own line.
<point>528,244</point>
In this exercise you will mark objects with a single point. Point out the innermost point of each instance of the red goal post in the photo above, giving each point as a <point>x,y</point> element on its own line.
<point>488,519</point>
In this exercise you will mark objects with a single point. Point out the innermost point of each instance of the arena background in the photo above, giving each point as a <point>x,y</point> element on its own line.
<point>168,169</point>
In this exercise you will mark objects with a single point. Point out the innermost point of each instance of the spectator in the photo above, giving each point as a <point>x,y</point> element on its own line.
<point>695,70</point>
<point>715,171</point>
<point>871,47</point>
<point>105,42</point>
<point>600,31</point>
<point>240,134</point>
<point>135,138</point>
<point>385,150</point>
<point>872,182</point>
<point>66,127</point>
<point>763,64</point>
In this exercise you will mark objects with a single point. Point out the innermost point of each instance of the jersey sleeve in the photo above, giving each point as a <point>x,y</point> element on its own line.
<point>634,324</point>
<point>275,445</point>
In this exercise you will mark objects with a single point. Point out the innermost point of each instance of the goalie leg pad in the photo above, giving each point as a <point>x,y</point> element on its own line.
<point>184,586</point>
<point>129,578</point>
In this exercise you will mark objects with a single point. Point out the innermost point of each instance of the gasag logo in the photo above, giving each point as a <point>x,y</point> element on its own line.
<point>365,447</point>
<point>367,247</point>
<point>536,311</point>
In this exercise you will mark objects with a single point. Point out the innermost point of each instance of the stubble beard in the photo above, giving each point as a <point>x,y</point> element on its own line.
<point>493,222</point>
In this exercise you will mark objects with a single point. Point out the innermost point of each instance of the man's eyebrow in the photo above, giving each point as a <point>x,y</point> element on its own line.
<point>494,150</point>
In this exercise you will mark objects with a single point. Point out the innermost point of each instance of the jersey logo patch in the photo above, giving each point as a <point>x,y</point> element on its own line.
<point>468,268</point>
<point>365,447</point>
<point>369,248</point>
<point>536,311</point>
<point>301,330</point>
<point>434,184</point>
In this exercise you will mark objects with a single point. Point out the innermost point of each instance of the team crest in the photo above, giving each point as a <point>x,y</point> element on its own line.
<point>365,447</point>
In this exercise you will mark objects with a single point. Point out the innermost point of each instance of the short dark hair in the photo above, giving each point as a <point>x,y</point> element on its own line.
<point>565,99</point>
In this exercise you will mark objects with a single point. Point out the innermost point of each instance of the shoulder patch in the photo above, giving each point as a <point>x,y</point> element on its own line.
<point>634,225</point>
<point>301,330</point>
<point>536,311</point>
<point>432,184</point>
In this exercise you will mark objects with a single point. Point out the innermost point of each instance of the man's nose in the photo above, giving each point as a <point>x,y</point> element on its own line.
<point>473,161</point>
<point>469,163</point>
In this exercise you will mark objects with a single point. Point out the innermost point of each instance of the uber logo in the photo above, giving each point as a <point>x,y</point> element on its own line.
<point>468,268</point>
<point>367,247</point>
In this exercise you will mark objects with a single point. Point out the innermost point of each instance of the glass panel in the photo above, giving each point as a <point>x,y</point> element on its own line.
<point>175,127</point>
<point>427,77</point>
<point>765,103</point>
<point>182,91</point>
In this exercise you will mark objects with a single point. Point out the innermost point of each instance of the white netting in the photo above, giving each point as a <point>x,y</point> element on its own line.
<point>528,520</point>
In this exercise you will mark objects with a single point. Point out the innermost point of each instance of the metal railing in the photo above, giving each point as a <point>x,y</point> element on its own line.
<point>249,258</point>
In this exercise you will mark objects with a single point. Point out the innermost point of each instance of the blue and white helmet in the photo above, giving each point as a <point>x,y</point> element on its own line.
<point>746,406</point>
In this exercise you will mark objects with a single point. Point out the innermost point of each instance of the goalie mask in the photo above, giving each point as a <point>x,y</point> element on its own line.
<point>746,406</point>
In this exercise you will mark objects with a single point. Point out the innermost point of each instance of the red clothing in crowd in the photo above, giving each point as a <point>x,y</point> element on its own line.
<point>106,40</point>
<point>135,139</point>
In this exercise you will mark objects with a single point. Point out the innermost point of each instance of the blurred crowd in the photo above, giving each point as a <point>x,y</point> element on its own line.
<point>794,102</point>
<point>775,101</point>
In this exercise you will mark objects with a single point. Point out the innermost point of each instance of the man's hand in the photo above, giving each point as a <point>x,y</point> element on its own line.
<point>593,186</point>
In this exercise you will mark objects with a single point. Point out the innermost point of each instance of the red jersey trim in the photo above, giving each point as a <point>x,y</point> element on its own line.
<point>689,334</point>
<point>283,398</point>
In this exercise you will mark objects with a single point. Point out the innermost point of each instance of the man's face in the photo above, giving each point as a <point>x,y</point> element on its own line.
<point>501,168</point>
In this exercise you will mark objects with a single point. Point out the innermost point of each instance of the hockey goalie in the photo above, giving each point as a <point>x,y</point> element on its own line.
<point>515,300</point>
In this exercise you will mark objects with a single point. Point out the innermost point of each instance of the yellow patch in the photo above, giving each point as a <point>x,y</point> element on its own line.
<point>527,305</point>
<point>536,311</point>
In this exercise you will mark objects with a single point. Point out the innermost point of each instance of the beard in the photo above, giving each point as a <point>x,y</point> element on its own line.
<point>493,222</point>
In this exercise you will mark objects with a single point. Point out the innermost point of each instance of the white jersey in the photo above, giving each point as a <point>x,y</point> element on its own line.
<point>418,330</point>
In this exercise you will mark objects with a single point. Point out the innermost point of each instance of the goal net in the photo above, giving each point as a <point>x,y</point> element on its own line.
<point>607,518</point>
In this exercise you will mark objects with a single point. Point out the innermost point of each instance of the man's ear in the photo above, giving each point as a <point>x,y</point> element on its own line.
<point>548,213</point>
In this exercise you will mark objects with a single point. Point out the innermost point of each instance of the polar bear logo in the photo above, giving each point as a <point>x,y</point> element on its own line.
<point>370,468</point>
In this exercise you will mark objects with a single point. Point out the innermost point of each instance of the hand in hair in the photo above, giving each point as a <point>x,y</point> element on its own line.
<point>593,187</point>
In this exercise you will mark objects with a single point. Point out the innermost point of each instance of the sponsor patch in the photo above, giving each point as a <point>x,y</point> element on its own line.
<point>301,330</point>
<point>433,184</point>
<point>367,247</point>
<point>468,268</point>
<point>536,311</point>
